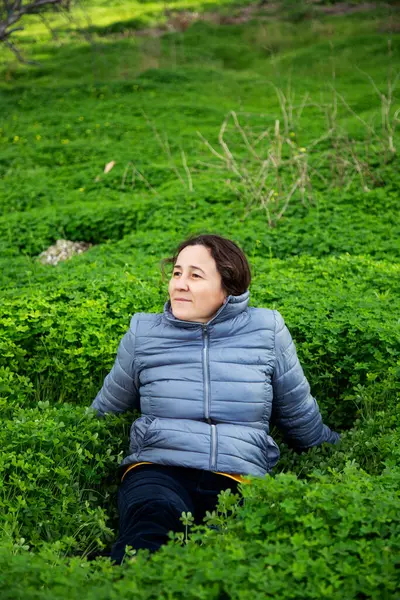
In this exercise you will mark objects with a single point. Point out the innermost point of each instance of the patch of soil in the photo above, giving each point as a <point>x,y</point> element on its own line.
<point>389,27</point>
<point>344,8</point>
<point>180,21</point>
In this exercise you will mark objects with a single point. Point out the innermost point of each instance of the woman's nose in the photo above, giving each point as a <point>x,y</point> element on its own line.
<point>182,283</point>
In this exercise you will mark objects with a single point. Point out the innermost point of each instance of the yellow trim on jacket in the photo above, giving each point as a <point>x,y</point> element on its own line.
<point>235,476</point>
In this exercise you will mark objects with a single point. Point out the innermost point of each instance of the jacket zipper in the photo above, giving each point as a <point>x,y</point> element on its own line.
<point>206,376</point>
<point>207,401</point>
<point>213,463</point>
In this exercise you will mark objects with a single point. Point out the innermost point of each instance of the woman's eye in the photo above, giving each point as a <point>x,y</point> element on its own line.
<point>177,273</point>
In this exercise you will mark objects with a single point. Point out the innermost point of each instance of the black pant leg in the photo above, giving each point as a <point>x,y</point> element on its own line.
<point>209,486</point>
<point>151,500</point>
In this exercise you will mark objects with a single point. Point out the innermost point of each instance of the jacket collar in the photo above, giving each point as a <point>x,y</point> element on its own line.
<point>232,307</point>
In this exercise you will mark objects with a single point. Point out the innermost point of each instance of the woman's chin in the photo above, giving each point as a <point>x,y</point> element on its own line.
<point>183,314</point>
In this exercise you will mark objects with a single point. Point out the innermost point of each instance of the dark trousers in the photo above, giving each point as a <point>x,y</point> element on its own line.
<point>151,499</point>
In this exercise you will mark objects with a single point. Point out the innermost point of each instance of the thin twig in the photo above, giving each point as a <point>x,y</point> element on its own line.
<point>187,170</point>
<point>261,137</point>
<point>244,136</point>
<point>210,147</point>
<point>49,27</point>
<point>165,147</point>
<point>18,54</point>
<point>302,105</point>
<point>231,161</point>
<point>292,191</point>
<point>135,171</point>
<point>370,129</point>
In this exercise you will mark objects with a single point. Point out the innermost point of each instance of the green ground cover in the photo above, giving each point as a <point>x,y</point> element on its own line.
<point>326,524</point>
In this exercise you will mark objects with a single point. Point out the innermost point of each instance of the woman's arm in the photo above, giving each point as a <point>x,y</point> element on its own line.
<point>294,410</point>
<point>120,390</point>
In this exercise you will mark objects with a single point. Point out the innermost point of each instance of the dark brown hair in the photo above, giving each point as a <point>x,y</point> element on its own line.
<point>231,261</point>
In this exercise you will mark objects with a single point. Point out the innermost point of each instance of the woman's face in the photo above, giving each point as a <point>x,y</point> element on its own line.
<point>195,288</point>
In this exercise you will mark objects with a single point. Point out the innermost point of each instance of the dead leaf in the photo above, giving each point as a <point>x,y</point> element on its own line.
<point>109,166</point>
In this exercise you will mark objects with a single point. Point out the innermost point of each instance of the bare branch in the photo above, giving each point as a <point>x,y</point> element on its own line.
<point>14,11</point>
<point>15,29</point>
<point>17,53</point>
<point>49,27</point>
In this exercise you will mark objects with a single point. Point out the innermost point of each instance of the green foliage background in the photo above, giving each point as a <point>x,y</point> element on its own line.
<point>326,525</point>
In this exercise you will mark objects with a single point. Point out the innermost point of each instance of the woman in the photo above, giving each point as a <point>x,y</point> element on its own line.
<point>208,374</point>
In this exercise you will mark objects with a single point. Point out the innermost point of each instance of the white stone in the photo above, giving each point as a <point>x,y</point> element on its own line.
<point>62,250</point>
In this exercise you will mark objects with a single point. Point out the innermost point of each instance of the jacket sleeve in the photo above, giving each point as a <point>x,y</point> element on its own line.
<point>294,410</point>
<point>120,390</point>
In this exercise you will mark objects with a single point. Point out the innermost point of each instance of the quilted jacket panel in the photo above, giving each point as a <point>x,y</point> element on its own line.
<point>207,392</point>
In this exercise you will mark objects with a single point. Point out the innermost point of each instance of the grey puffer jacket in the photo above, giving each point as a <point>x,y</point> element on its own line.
<point>207,392</point>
